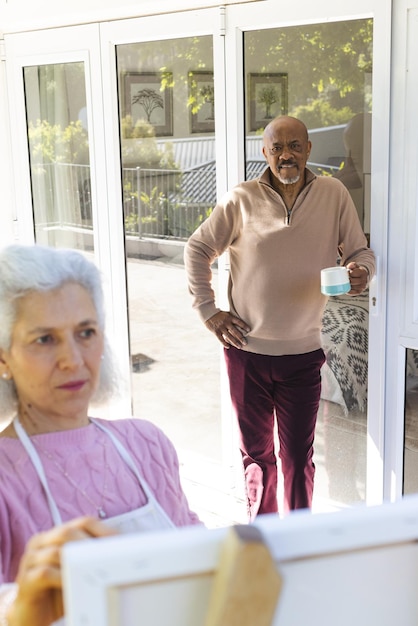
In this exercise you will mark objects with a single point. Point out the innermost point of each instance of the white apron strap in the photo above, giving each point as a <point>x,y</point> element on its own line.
<point>34,457</point>
<point>130,463</point>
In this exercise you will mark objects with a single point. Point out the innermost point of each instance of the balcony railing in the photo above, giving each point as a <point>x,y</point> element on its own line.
<point>157,203</point>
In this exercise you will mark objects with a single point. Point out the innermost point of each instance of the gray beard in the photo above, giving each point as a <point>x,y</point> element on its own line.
<point>288,181</point>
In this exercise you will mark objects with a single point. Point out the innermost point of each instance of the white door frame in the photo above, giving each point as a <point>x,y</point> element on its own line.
<point>402,298</point>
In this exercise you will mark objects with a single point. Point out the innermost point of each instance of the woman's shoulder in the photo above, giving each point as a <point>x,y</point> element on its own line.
<point>144,440</point>
<point>135,427</point>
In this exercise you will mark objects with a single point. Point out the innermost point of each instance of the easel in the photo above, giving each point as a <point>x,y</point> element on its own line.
<point>247,584</point>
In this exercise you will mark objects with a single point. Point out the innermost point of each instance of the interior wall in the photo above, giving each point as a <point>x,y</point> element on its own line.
<point>402,296</point>
<point>7,212</point>
<point>21,15</point>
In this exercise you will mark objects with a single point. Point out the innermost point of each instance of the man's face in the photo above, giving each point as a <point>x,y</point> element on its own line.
<point>286,149</point>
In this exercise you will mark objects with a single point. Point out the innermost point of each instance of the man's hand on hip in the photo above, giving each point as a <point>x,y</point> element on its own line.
<point>230,330</point>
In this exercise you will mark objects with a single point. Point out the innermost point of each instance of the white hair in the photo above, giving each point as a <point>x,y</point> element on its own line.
<point>25,269</point>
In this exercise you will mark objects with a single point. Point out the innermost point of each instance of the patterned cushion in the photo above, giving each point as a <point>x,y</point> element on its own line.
<point>345,343</point>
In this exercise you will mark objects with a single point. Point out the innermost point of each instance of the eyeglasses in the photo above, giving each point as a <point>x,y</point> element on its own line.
<point>294,146</point>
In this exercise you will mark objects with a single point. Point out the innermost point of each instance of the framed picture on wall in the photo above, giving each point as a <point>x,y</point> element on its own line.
<point>148,96</point>
<point>201,102</point>
<point>267,98</point>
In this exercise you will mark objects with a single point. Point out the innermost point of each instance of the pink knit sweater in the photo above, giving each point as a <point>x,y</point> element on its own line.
<point>93,464</point>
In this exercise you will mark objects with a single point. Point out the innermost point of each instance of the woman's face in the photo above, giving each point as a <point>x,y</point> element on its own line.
<point>55,356</point>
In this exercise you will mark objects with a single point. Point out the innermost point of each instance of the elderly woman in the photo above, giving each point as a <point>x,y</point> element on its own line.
<point>58,463</point>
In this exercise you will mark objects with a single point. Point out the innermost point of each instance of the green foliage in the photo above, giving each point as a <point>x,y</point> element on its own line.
<point>192,224</point>
<point>160,216</point>
<point>141,129</point>
<point>154,201</point>
<point>328,66</point>
<point>319,113</point>
<point>50,143</point>
<point>154,211</point>
<point>199,95</point>
<point>131,223</point>
<point>144,151</point>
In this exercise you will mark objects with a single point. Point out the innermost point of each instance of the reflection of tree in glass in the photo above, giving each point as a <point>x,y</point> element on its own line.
<point>330,65</point>
<point>208,95</point>
<point>150,100</point>
<point>267,96</point>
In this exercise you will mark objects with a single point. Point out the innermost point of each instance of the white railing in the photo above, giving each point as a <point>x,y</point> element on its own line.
<point>165,203</point>
<point>168,203</point>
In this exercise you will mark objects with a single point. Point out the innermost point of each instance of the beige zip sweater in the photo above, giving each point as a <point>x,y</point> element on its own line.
<point>276,259</point>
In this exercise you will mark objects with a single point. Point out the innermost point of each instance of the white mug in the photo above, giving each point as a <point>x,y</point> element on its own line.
<point>335,280</point>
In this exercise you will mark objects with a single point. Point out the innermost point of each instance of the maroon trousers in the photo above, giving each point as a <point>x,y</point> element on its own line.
<point>287,388</point>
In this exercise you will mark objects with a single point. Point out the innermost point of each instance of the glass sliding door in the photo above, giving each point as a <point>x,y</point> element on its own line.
<point>322,74</point>
<point>167,127</point>
<point>59,154</point>
<point>317,62</point>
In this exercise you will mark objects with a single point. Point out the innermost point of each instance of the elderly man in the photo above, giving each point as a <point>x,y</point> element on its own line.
<point>280,230</point>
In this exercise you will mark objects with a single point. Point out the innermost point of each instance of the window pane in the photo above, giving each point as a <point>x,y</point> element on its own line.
<point>59,154</point>
<point>322,74</point>
<point>410,478</point>
<point>167,129</point>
